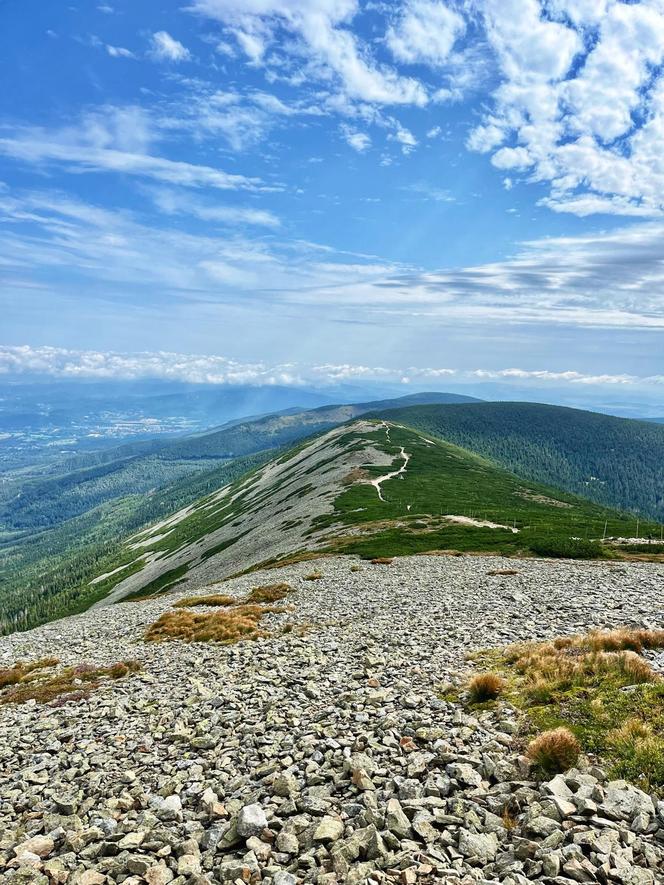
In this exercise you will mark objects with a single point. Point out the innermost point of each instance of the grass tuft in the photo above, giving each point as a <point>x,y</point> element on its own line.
<point>22,671</point>
<point>485,687</point>
<point>40,684</point>
<point>269,593</point>
<point>382,560</point>
<point>214,599</point>
<point>598,686</point>
<point>313,576</point>
<point>554,751</point>
<point>225,626</point>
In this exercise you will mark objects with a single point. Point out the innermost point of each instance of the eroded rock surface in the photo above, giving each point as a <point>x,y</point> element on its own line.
<point>325,757</point>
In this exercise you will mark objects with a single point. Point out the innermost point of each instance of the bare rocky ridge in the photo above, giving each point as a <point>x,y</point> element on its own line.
<point>277,513</point>
<point>326,757</point>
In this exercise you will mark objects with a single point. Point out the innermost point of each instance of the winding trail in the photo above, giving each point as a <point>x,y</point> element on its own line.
<point>376,483</point>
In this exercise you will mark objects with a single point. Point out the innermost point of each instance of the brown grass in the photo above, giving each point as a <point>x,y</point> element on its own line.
<point>485,687</point>
<point>578,660</point>
<point>225,626</point>
<point>313,576</point>
<point>554,751</point>
<point>503,571</point>
<point>69,683</point>
<point>269,593</point>
<point>22,671</point>
<point>382,560</point>
<point>217,599</point>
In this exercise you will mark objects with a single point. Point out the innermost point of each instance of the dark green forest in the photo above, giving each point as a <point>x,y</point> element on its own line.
<point>613,461</point>
<point>46,574</point>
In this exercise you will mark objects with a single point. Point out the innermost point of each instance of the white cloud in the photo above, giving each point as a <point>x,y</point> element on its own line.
<point>610,280</point>
<point>177,202</point>
<point>580,102</point>
<point>425,32</point>
<point>359,141</point>
<point>119,52</point>
<point>405,138</point>
<point>194,368</point>
<point>332,48</point>
<point>113,140</point>
<point>163,47</point>
<point>512,158</point>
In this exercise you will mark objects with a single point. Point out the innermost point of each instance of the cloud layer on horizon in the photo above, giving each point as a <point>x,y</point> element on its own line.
<point>61,363</point>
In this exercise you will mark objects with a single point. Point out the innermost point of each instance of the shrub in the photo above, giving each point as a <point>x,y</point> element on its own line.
<point>554,751</point>
<point>217,599</point>
<point>485,687</point>
<point>269,593</point>
<point>568,548</point>
<point>313,576</point>
<point>382,560</point>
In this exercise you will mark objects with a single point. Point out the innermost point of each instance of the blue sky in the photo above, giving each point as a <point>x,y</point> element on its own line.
<point>326,190</point>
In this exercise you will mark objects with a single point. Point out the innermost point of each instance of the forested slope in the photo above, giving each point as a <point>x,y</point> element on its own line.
<point>613,461</point>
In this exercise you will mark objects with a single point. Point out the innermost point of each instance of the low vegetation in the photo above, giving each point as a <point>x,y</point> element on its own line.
<point>451,499</point>
<point>269,593</point>
<point>214,599</point>
<point>226,626</point>
<point>42,682</point>
<point>600,688</point>
<point>554,751</point>
<point>313,576</point>
<point>569,548</point>
<point>485,687</point>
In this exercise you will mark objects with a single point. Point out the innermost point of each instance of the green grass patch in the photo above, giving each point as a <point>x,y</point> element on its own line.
<point>601,688</point>
<point>161,584</point>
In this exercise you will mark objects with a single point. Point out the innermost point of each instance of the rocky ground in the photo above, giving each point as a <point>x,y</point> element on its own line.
<point>325,757</point>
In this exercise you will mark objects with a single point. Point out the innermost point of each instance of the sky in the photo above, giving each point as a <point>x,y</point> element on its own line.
<point>425,192</point>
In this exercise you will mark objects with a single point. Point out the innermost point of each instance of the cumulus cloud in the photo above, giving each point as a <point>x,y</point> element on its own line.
<point>425,32</point>
<point>61,363</point>
<point>325,38</point>
<point>580,103</point>
<point>359,141</point>
<point>163,47</point>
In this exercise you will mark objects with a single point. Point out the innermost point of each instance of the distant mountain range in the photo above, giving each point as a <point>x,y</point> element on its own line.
<point>63,524</point>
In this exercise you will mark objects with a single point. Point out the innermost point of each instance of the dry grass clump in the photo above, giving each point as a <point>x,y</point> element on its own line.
<point>22,671</point>
<point>620,639</point>
<point>225,626</point>
<point>554,751</point>
<point>382,560</point>
<point>269,593</point>
<point>503,571</point>
<point>214,599</point>
<point>485,687</point>
<point>313,576</point>
<point>574,661</point>
<point>71,682</point>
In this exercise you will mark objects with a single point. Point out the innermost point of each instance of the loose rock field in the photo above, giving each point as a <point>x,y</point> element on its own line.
<point>321,753</point>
